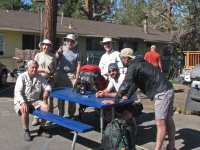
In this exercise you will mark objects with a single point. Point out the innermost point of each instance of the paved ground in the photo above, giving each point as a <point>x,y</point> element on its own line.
<point>11,131</point>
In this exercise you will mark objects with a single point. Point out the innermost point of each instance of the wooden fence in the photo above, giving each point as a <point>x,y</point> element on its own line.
<point>24,55</point>
<point>191,58</point>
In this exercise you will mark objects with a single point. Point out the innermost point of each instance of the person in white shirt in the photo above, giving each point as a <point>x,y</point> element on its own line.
<point>126,111</point>
<point>28,88</point>
<point>110,56</point>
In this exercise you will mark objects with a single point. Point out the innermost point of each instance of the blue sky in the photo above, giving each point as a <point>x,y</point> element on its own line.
<point>27,1</point>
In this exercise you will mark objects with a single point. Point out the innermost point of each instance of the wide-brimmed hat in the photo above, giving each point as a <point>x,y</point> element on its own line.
<point>107,39</point>
<point>71,37</point>
<point>127,52</point>
<point>45,41</point>
<point>113,66</point>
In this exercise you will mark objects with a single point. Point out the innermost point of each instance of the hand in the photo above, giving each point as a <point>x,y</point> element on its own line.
<point>47,71</point>
<point>45,95</point>
<point>108,102</point>
<point>24,107</point>
<point>100,94</point>
<point>124,97</point>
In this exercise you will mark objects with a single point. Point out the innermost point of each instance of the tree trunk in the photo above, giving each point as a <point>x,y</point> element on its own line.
<point>50,21</point>
<point>169,8</point>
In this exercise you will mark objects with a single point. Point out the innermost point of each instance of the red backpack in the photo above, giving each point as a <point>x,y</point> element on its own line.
<point>92,74</point>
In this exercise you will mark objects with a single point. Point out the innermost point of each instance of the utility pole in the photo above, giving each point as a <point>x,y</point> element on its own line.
<point>50,21</point>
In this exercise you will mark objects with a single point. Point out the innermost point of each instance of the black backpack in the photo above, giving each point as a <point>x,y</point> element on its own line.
<point>118,135</point>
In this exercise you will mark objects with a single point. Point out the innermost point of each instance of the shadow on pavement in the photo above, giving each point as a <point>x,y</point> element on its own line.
<point>190,137</point>
<point>8,90</point>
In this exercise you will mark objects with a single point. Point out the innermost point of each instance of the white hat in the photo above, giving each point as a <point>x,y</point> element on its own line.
<point>107,39</point>
<point>45,41</point>
<point>71,37</point>
<point>153,47</point>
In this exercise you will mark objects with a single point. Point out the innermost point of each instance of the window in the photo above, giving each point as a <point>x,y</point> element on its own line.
<point>1,45</point>
<point>94,44</point>
<point>30,41</point>
<point>129,44</point>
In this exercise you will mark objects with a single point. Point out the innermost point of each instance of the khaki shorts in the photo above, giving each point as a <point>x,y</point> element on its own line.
<point>164,104</point>
<point>32,105</point>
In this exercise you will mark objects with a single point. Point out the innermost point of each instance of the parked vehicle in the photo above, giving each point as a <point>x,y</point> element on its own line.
<point>193,98</point>
<point>3,74</point>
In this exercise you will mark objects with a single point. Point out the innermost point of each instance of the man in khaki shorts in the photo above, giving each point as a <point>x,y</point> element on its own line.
<point>143,75</point>
<point>28,88</point>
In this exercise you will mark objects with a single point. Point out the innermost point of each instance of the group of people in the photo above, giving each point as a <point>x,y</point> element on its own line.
<point>43,73</point>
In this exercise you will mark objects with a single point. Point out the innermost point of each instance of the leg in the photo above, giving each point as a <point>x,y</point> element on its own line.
<point>61,107</point>
<point>161,132</point>
<point>25,122</point>
<point>171,132</point>
<point>71,109</point>
<point>44,107</point>
<point>35,121</point>
<point>164,120</point>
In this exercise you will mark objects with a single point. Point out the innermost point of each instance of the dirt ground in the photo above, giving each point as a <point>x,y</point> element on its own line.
<point>181,92</point>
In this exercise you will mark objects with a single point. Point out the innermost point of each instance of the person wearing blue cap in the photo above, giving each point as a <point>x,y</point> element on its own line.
<point>126,111</point>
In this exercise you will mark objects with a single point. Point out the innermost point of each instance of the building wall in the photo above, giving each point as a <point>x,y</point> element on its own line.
<point>13,39</point>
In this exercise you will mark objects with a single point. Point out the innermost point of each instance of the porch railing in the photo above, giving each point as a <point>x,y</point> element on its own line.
<point>191,58</point>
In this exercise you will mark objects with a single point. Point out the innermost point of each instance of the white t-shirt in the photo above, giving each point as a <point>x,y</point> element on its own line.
<point>117,83</point>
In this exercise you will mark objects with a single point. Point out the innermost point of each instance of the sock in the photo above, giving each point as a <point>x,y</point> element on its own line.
<point>26,130</point>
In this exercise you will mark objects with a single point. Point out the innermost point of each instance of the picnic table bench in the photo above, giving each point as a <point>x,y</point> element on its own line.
<point>77,127</point>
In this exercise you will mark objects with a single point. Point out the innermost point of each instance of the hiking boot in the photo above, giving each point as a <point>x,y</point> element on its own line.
<point>35,122</point>
<point>44,134</point>
<point>27,136</point>
<point>48,123</point>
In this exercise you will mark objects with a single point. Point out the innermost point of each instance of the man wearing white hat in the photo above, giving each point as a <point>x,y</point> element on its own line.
<point>69,69</point>
<point>110,56</point>
<point>47,68</point>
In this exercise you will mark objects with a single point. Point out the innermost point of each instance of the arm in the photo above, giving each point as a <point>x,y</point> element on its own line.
<point>128,87</point>
<point>106,92</point>
<point>59,52</point>
<point>18,97</point>
<point>119,63</point>
<point>160,64</point>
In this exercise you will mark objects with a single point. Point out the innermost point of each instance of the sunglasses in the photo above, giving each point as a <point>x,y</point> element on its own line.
<point>68,40</point>
<point>112,70</point>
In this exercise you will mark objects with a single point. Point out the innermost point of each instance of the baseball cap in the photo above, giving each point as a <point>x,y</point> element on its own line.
<point>127,52</point>
<point>112,66</point>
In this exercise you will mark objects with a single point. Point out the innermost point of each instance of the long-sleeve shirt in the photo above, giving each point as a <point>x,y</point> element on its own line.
<point>28,88</point>
<point>107,58</point>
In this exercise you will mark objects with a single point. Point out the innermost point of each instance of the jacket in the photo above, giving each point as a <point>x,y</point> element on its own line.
<point>143,75</point>
<point>27,90</point>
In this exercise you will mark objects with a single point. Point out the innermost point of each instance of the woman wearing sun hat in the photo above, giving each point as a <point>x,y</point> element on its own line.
<point>47,68</point>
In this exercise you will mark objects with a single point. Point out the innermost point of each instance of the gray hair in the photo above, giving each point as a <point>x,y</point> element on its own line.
<point>30,62</point>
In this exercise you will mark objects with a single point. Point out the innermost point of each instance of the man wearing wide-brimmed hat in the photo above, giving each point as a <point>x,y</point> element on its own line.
<point>110,56</point>
<point>69,69</point>
<point>47,68</point>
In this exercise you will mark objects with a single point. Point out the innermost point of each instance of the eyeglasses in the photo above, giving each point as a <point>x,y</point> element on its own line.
<point>68,40</point>
<point>112,70</point>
